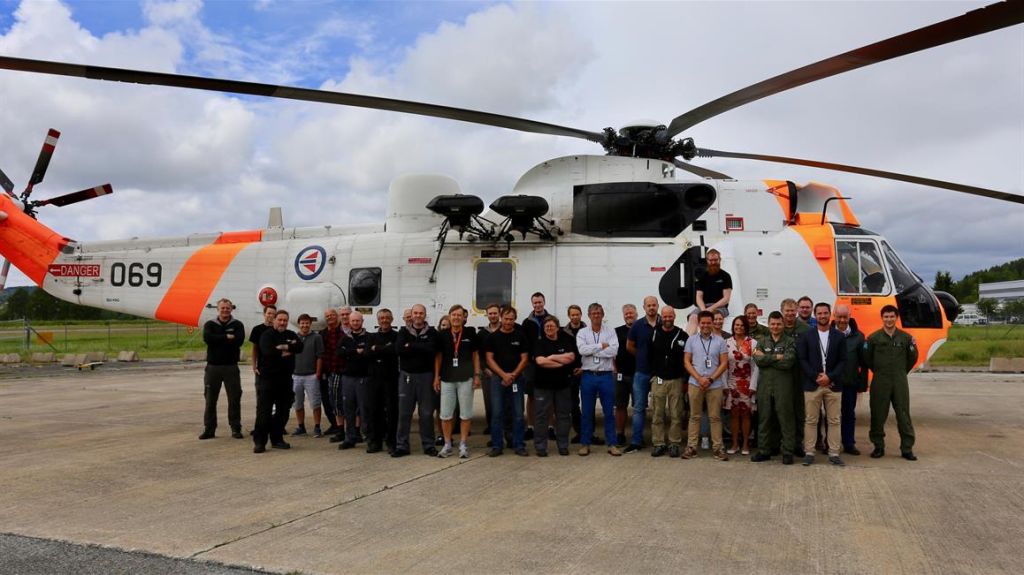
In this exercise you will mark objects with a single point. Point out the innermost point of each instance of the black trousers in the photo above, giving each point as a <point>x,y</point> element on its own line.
<point>382,406</point>
<point>325,400</point>
<point>577,416</point>
<point>274,399</point>
<point>227,375</point>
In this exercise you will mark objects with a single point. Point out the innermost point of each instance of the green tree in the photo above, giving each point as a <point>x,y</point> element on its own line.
<point>987,307</point>
<point>943,282</point>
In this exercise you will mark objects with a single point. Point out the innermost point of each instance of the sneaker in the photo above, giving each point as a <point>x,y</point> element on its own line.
<point>317,432</point>
<point>430,451</point>
<point>523,453</point>
<point>281,445</point>
<point>529,433</point>
<point>834,460</point>
<point>551,434</point>
<point>446,451</point>
<point>207,434</point>
<point>787,459</point>
<point>237,434</point>
<point>399,453</point>
<point>259,449</point>
<point>595,440</point>
<point>705,443</point>
<point>908,455</point>
<point>614,451</point>
<point>720,455</point>
<point>760,456</point>
<point>745,452</point>
<point>620,439</point>
<point>732,451</point>
<point>464,451</point>
<point>563,451</point>
<point>659,450</point>
<point>584,451</point>
<point>689,453</point>
<point>494,452</point>
<point>851,450</point>
<point>346,445</point>
<point>878,452</point>
<point>674,451</point>
<point>300,430</point>
<point>632,448</point>
<point>808,459</point>
<point>438,441</point>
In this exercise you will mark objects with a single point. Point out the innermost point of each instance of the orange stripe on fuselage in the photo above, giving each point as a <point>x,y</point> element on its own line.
<point>188,295</point>
<point>28,244</point>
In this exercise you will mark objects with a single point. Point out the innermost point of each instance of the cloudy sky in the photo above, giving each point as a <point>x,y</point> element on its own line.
<point>184,162</point>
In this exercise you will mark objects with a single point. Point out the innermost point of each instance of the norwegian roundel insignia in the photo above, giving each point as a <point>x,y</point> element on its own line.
<point>309,262</point>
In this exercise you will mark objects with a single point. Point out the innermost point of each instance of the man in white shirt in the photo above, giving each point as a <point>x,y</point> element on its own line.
<point>598,346</point>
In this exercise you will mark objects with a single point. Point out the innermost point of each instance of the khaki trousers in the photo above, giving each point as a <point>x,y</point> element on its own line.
<point>714,399</point>
<point>667,401</point>
<point>813,401</point>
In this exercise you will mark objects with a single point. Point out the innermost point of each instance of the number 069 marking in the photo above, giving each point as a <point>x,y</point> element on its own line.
<point>132,273</point>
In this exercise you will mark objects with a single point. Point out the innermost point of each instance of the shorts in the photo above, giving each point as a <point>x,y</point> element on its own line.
<point>306,384</point>
<point>623,389</point>
<point>457,391</point>
<point>724,310</point>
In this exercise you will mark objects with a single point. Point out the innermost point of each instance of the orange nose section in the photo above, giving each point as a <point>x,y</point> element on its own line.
<point>28,244</point>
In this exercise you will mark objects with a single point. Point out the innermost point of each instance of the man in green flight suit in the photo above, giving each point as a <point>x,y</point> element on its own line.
<point>890,353</point>
<point>794,327</point>
<point>775,355</point>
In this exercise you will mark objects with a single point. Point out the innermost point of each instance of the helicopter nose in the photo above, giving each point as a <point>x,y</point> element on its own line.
<point>949,305</point>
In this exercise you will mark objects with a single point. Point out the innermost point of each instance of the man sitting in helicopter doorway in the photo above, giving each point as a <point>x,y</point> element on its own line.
<point>713,290</point>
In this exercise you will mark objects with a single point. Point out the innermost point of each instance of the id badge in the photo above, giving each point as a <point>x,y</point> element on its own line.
<point>515,388</point>
<point>597,360</point>
<point>707,362</point>
<point>455,362</point>
<point>659,381</point>
<point>618,377</point>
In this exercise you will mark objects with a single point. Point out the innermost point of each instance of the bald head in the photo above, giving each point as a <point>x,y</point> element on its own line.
<point>668,317</point>
<point>841,316</point>
<point>419,315</point>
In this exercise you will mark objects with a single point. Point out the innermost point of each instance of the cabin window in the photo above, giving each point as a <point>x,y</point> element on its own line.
<point>494,283</point>
<point>364,286</point>
<point>859,268</point>
<point>638,209</point>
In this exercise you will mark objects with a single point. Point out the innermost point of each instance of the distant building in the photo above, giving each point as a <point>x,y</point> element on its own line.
<point>1002,291</point>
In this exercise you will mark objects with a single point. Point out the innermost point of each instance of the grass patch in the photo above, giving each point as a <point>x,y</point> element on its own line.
<point>975,345</point>
<point>149,338</point>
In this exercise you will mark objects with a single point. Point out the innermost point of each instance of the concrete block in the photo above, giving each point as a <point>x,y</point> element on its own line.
<point>195,356</point>
<point>1006,364</point>
<point>72,359</point>
<point>128,356</point>
<point>95,356</point>
<point>44,357</point>
<point>10,358</point>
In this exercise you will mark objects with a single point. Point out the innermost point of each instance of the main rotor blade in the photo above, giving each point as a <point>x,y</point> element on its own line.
<point>980,21</point>
<point>292,93</point>
<point>75,197</point>
<point>6,183</point>
<point>702,172</point>
<point>994,194</point>
<point>43,161</point>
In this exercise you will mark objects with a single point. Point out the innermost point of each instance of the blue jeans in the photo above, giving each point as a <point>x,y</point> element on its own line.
<point>592,386</point>
<point>849,416</point>
<point>641,389</point>
<point>500,397</point>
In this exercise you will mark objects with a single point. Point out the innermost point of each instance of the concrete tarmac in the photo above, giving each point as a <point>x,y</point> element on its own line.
<point>110,458</point>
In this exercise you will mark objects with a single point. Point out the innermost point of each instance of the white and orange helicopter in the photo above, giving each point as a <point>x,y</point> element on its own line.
<point>610,228</point>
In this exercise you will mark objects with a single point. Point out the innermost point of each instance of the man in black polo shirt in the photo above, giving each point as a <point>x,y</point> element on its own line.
<point>224,337</point>
<point>665,357</point>
<point>417,345</point>
<point>714,288</point>
<point>254,338</point>
<point>506,355</point>
<point>274,395</point>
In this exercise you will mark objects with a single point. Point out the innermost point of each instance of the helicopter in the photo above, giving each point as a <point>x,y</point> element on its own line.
<point>610,228</point>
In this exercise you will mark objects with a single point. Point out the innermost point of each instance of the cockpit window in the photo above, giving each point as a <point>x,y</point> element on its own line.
<point>902,277</point>
<point>860,269</point>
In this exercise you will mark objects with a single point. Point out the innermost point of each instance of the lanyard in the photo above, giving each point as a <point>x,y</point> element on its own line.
<point>824,350</point>
<point>456,341</point>
<point>597,336</point>
<point>707,350</point>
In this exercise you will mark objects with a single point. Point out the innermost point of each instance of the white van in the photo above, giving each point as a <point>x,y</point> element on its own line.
<point>970,318</point>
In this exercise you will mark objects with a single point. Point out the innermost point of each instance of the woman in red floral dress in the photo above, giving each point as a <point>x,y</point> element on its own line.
<point>741,384</point>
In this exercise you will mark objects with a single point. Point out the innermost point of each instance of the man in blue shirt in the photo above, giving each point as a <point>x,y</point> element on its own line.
<point>706,360</point>
<point>637,343</point>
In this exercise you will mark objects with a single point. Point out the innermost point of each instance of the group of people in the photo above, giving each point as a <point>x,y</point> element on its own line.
<point>542,379</point>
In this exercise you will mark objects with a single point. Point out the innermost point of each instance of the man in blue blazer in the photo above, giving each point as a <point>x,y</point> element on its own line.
<point>822,356</point>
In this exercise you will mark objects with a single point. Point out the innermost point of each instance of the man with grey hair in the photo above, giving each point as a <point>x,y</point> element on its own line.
<point>354,347</point>
<point>855,376</point>
<point>598,347</point>
<point>417,347</point>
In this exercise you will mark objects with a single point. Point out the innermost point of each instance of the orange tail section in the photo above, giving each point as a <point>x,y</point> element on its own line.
<point>28,244</point>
